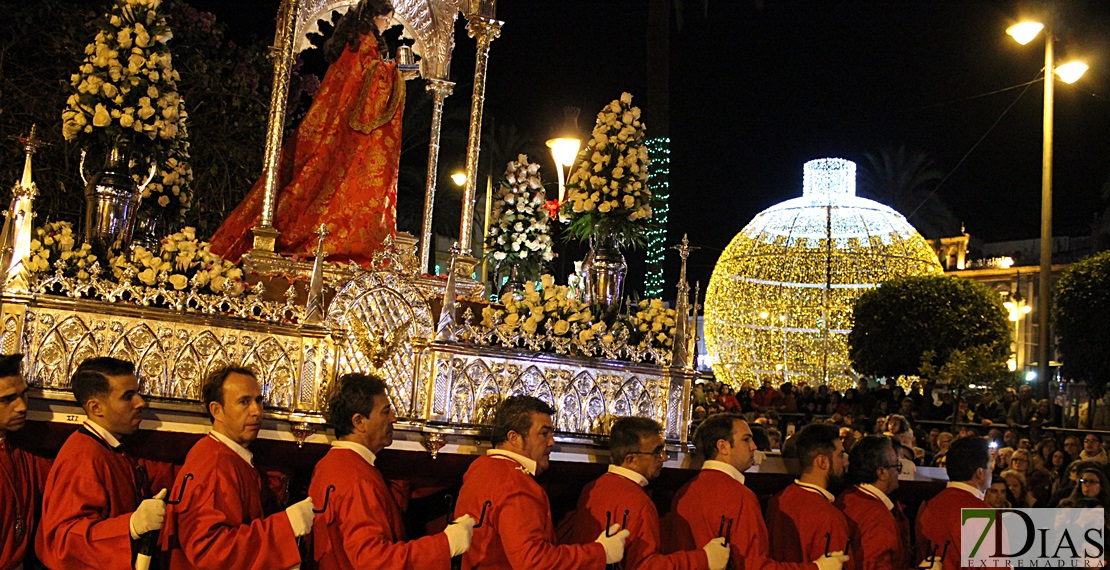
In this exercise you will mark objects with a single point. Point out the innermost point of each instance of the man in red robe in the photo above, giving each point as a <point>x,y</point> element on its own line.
<point>636,455</point>
<point>94,507</point>
<point>361,525</point>
<point>514,514</point>
<point>20,480</point>
<point>969,469</point>
<point>878,541</point>
<point>219,523</point>
<point>802,520</point>
<point>717,503</point>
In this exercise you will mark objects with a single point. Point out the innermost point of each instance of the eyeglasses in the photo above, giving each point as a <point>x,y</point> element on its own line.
<point>897,467</point>
<point>1092,440</point>
<point>660,452</point>
<point>1090,481</point>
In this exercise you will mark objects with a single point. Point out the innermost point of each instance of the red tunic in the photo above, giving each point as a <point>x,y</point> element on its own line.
<point>697,510</point>
<point>877,541</point>
<point>798,520</point>
<point>90,494</point>
<point>614,494</point>
<point>517,531</point>
<point>21,485</point>
<point>219,523</point>
<point>938,521</point>
<point>362,526</point>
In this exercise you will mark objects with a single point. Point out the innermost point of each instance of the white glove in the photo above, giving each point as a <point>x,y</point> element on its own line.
<point>614,545</point>
<point>149,515</point>
<point>717,552</point>
<point>933,564</point>
<point>834,561</point>
<point>459,534</point>
<point>300,517</point>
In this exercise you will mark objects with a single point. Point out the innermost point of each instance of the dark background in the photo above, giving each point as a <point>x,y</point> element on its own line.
<point>758,88</point>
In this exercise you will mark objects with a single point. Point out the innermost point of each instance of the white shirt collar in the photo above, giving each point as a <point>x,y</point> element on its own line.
<point>358,448</point>
<point>878,494</point>
<point>965,487</point>
<point>629,474</point>
<point>815,488</point>
<point>723,468</point>
<point>529,465</point>
<point>238,449</point>
<point>102,433</point>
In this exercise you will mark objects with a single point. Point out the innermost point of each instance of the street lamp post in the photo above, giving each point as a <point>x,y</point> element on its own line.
<point>1024,33</point>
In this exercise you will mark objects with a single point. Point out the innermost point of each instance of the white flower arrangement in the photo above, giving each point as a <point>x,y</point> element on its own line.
<point>125,95</point>
<point>607,190</point>
<point>549,309</point>
<point>53,242</point>
<point>187,262</point>
<point>518,233</point>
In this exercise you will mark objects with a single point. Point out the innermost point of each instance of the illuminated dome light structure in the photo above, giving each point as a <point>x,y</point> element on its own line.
<point>779,303</point>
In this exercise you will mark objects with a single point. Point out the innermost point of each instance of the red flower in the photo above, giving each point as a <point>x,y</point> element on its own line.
<point>553,207</point>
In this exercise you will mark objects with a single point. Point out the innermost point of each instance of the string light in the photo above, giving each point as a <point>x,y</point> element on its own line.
<point>779,303</point>
<point>659,151</point>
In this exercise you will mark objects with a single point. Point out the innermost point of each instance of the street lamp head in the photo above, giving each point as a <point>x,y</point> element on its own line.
<point>459,178</point>
<point>1071,72</point>
<point>564,150</point>
<point>1024,32</point>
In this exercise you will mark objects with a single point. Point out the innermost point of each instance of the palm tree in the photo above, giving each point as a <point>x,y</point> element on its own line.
<point>906,179</point>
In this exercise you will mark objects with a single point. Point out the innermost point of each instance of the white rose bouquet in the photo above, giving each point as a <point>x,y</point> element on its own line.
<point>185,260</point>
<point>125,95</point>
<point>551,304</point>
<point>607,190</point>
<point>518,233</point>
<point>56,241</point>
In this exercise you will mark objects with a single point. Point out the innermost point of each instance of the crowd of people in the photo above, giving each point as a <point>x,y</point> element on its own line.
<point>97,506</point>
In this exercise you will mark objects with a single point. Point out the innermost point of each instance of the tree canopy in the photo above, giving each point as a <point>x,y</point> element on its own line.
<point>1082,318</point>
<point>948,328</point>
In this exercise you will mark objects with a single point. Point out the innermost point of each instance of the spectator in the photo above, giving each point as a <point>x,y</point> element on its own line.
<point>728,400</point>
<point>997,495</point>
<point>1092,449</point>
<point>1023,499</point>
<point>774,437</point>
<point>785,402</point>
<point>1044,451</point>
<point>1022,411</point>
<point>1059,467</point>
<point>905,409</point>
<point>899,428</point>
<point>1065,484</point>
<point>1073,446</point>
<point>1002,459</point>
<point>1038,480</point>
<point>1010,438</point>
<point>988,411</point>
<point>1092,486</point>
<point>943,441</point>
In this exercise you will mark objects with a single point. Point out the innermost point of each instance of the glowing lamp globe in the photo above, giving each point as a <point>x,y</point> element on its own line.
<point>779,303</point>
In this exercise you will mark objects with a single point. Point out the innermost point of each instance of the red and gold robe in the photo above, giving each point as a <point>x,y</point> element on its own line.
<point>21,483</point>
<point>219,523</point>
<point>90,494</point>
<point>696,519</point>
<point>613,494</point>
<point>798,520</point>
<point>517,531</point>
<point>361,526</point>
<point>340,169</point>
<point>938,522</point>
<point>877,537</point>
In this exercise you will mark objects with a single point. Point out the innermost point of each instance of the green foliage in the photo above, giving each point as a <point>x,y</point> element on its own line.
<point>1082,319</point>
<point>947,328</point>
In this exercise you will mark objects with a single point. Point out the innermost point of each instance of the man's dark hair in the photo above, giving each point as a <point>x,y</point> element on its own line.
<point>867,457</point>
<point>712,430</point>
<point>965,455</point>
<point>760,437</point>
<point>1096,436</point>
<point>91,377</point>
<point>354,394</point>
<point>815,440</point>
<point>9,365</point>
<point>625,436</point>
<point>515,414</point>
<point>213,388</point>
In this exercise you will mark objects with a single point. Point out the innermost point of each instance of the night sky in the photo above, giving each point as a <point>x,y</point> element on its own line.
<point>759,88</point>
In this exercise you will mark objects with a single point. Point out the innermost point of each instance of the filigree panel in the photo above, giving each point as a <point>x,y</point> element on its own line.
<point>385,303</point>
<point>173,352</point>
<point>583,391</point>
